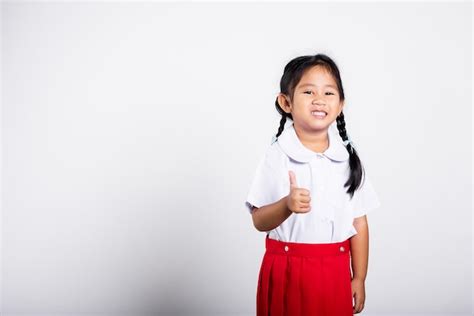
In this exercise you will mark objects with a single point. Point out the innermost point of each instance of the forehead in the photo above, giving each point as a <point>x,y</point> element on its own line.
<point>317,76</point>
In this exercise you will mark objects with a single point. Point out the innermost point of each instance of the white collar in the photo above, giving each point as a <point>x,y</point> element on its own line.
<point>292,146</point>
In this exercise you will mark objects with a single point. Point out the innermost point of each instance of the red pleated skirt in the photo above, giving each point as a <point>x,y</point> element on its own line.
<point>303,279</point>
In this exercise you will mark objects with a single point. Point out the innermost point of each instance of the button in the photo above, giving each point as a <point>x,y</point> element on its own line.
<point>286,248</point>
<point>341,249</point>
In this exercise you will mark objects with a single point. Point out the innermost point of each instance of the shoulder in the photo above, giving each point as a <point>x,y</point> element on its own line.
<point>365,197</point>
<point>275,156</point>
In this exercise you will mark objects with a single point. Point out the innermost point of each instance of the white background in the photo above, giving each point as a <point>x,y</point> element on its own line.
<point>131,132</point>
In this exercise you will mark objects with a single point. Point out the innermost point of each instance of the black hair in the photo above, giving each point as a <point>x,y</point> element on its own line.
<point>292,75</point>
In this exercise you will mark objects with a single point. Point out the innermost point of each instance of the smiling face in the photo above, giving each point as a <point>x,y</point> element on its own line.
<point>316,101</point>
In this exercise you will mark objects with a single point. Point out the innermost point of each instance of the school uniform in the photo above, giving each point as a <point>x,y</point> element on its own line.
<point>306,266</point>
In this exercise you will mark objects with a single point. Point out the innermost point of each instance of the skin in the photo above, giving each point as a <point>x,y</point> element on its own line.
<point>317,90</point>
<point>360,259</point>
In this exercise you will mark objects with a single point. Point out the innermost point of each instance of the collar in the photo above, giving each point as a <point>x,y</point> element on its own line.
<point>292,146</point>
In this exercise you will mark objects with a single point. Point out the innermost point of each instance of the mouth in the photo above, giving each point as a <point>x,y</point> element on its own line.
<point>319,114</point>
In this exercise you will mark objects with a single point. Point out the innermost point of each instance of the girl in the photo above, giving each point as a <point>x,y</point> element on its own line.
<point>310,194</point>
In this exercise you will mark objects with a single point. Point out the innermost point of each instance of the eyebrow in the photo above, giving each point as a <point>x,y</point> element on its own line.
<point>310,84</point>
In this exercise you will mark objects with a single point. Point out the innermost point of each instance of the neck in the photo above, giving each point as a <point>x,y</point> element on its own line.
<point>317,141</point>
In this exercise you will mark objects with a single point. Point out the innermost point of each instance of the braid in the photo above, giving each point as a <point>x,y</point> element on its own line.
<point>341,126</point>
<point>355,164</point>
<point>284,115</point>
<point>282,125</point>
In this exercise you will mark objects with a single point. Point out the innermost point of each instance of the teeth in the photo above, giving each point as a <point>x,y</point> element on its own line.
<point>318,113</point>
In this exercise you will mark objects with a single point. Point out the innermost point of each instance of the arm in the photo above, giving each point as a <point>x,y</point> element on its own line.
<point>360,258</point>
<point>360,248</point>
<point>270,216</point>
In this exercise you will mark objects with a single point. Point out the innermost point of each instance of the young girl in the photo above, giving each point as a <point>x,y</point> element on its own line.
<point>310,194</point>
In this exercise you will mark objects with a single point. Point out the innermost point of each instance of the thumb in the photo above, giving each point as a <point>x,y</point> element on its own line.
<point>293,183</point>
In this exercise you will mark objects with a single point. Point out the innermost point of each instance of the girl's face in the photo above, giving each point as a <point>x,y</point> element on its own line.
<point>316,92</point>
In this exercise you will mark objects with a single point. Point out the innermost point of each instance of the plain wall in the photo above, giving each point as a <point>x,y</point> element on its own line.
<point>131,132</point>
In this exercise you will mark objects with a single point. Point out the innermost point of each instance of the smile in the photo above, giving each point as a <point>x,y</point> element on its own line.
<point>319,114</point>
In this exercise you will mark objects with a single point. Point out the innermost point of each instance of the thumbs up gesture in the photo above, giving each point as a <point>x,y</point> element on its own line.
<point>298,198</point>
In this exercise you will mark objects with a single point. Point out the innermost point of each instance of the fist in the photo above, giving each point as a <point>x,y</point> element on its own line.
<point>298,198</point>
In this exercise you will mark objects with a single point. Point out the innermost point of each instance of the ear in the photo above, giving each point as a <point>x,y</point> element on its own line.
<point>342,107</point>
<point>283,102</point>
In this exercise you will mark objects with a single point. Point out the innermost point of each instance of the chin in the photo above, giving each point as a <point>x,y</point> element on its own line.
<point>318,127</point>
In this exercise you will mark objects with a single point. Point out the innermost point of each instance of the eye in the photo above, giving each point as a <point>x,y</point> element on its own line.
<point>309,92</point>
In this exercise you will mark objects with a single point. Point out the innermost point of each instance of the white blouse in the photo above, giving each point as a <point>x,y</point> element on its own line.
<point>332,211</point>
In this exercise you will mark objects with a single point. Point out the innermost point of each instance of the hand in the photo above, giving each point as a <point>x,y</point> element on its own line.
<point>358,292</point>
<point>298,198</point>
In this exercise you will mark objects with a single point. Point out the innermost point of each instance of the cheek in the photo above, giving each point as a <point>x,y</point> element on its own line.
<point>299,107</point>
<point>302,98</point>
<point>336,109</point>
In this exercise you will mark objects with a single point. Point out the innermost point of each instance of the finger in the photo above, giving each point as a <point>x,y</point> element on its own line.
<point>305,199</point>
<point>304,209</point>
<point>357,303</point>
<point>293,183</point>
<point>360,305</point>
<point>354,300</point>
<point>303,204</point>
<point>304,192</point>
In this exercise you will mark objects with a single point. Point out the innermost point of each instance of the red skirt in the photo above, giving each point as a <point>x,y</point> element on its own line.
<point>303,279</point>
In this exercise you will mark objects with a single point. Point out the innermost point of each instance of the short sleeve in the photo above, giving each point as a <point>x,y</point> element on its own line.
<point>365,198</point>
<point>264,185</point>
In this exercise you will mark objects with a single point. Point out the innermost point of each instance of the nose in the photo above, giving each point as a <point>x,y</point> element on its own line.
<point>318,97</point>
<point>317,101</point>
